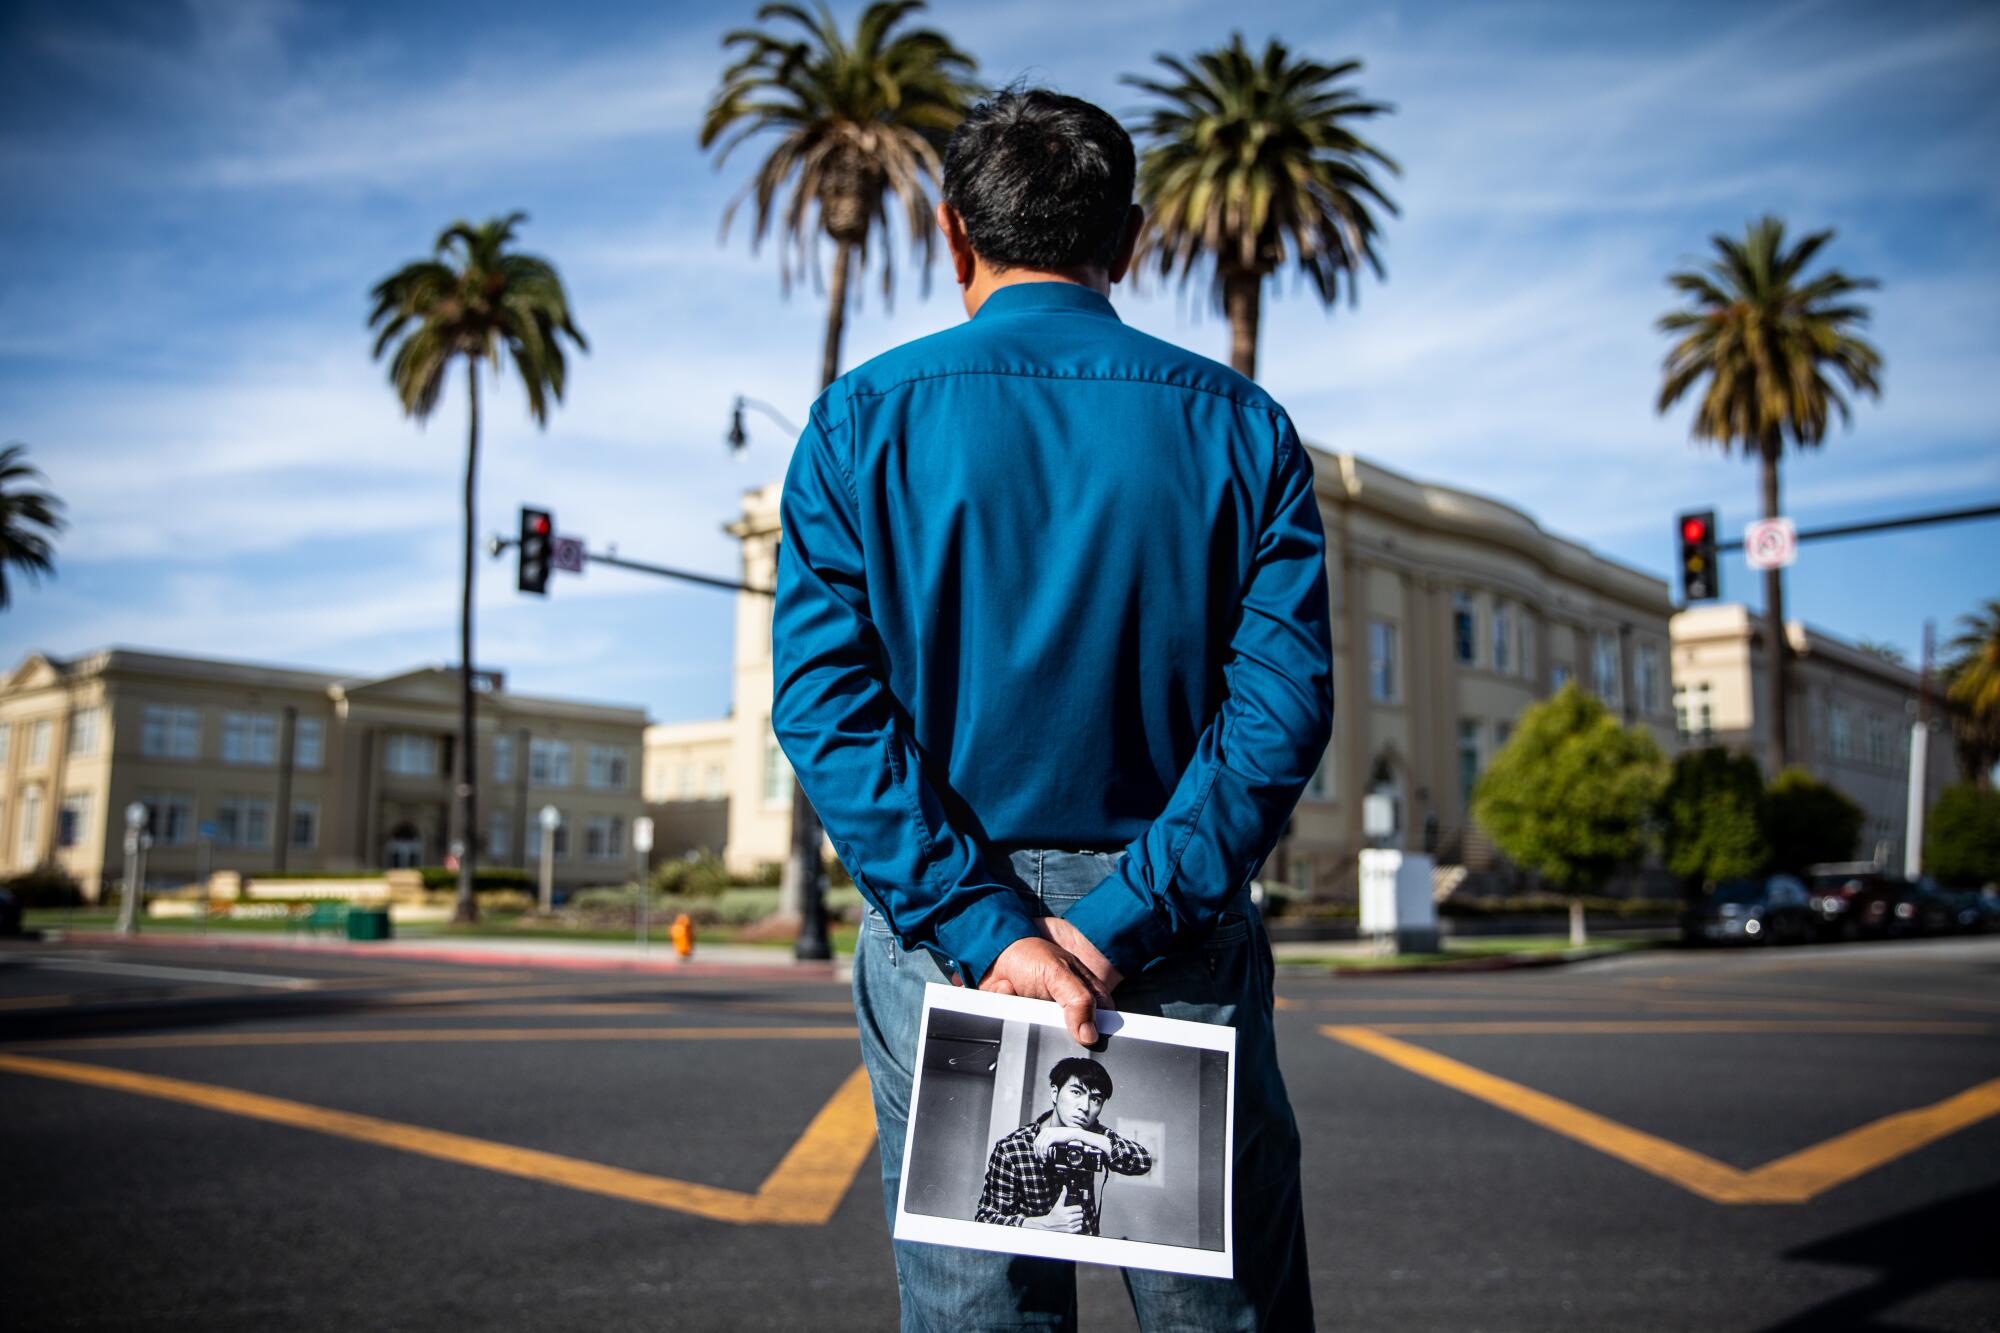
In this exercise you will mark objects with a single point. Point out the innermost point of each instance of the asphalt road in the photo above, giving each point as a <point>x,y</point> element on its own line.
<point>1795,1139</point>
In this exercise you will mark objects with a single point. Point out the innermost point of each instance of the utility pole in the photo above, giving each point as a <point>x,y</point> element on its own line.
<point>1920,748</point>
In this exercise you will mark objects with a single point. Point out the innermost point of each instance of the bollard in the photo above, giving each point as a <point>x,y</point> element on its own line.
<point>684,935</point>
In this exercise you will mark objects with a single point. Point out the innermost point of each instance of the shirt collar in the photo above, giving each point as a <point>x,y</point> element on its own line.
<point>1024,297</point>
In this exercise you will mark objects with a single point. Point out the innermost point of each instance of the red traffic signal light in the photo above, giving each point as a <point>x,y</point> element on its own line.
<point>1700,581</point>
<point>537,536</point>
<point>1693,528</point>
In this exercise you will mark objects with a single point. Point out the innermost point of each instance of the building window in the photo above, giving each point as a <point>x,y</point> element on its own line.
<point>1680,712</point>
<point>38,741</point>
<point>1468,761</point>
<point>83,726</point>
<point>1316,788</point>
<point>73,821</point>
<point>1646,678</point>
<point>548,762</point>
<point>249,738</point>
<point>1878,740</point>
<point>169,817</point>
<point>1464,628</point>
<point>1503,731</point>
<point>605,767</point>
<point>1503,637</point>
<point>1707,731</point>
<point>30,840</point>
<point>1560,675</point>
<point>1527,653</point>
<point>1842,733</point>
<point>171,733</point>
<point>6,740</point>
<point>304,833</point>
<point>604,838</point>
<point>411,755</point>
<point>503,758</point>
<point>684,782</point>
<point>499,834</point>
<point>713,782</point>
<point>1604,666</point>
<point>777,770</point>
<point>308,743</point>
<point>1382,661</point>
<point>243,821</point>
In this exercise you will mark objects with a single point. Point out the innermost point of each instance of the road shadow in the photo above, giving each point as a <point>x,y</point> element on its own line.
<point>1947,1241</point>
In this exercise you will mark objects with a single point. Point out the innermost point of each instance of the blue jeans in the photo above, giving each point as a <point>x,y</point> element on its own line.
<point>1227,979</point>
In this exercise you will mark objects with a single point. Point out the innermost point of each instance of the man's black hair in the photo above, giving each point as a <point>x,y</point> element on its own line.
<point>1085,1071</point>
<point>1042,180</point>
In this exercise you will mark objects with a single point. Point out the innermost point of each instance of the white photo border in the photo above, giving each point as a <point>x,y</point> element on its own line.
<point>1055,1245</point>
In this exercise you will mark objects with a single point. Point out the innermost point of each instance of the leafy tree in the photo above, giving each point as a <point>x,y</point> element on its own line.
<point>1253,162</point>
<point>1806,822</point>
<point>22,511</point>
<point>1572,795</point>
<point>486,298</point>
<point>861,125</point>
<point>1962,837</point>
<point>1972,689</point>
<point>1888,652</point>
<point>1765,339</point>
<point>1711,816</point>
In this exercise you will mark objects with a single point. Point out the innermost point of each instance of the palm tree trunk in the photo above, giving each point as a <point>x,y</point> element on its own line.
<point>1774,608</point>
<point>467,909</point>
<point>803,893</point>
<point>1242,301</point>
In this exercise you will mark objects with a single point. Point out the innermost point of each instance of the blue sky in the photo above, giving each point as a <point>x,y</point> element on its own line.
<point>201,194</point>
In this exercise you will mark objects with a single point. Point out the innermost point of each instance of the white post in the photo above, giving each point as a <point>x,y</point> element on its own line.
<point>642,844</point>
<point>549,818</point>
<point>128,911</point>
<point>1913,840</point>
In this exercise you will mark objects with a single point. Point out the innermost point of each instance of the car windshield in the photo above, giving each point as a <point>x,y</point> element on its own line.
<point>1739,891</point>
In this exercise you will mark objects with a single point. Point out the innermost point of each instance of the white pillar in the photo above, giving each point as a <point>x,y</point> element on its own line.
<point>1913,840</point>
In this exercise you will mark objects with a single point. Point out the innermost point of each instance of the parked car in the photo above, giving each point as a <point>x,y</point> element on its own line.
<point>1922,908</point>
<point>1775,910</point>
<point>1973,912</point>
<point>1854,906</point>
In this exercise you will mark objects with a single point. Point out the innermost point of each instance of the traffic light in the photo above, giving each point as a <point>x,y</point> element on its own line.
<point>538,534</point>
<point>1700,578</point>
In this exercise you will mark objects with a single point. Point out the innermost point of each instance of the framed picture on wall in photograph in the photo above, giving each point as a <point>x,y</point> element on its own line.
<point>1023,1142</point>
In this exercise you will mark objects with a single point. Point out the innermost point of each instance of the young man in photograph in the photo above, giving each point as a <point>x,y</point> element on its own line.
<point>1049,1175</point>
<point>1051,660</point>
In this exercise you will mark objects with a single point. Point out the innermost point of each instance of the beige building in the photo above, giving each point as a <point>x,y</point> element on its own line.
<point>1451,613</point>
<point>1849,713</point>
<point>298,770</point>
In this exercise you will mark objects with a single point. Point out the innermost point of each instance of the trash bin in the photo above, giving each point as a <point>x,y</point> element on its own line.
<point>367,923</point>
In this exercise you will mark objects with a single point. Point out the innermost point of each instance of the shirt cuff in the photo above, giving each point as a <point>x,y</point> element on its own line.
<point>977,936</point>
<point>1122,926</point>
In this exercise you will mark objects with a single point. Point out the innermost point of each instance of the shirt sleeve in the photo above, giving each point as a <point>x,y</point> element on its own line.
<point>1000,1201</point>
<point>1128,1156</point>
<point>1256,754</point>
<point>848,738</point>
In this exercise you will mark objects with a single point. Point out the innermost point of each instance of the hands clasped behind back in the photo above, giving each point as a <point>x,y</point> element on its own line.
<point>1038,969</point>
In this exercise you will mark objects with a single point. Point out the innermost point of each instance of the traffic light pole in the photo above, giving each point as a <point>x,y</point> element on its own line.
<point>1885,525</point>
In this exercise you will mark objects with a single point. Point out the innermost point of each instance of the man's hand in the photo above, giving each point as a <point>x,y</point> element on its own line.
<point>1077,944</point>
<point>1038,970</point>
<point>1065,1216</point>
<point>1052,1133</point>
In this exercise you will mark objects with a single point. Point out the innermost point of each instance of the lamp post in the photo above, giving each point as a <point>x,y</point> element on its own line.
<point>550,819</point>
<point>805,879</point>
<point>642,843</point>
<point>135,833</point>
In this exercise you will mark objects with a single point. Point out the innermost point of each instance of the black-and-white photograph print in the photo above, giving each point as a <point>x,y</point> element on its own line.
<point>1024,1142</point>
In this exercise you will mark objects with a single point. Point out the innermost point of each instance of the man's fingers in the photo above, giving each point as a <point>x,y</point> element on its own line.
<point>1077,1002</point>
<point>1002,986</point>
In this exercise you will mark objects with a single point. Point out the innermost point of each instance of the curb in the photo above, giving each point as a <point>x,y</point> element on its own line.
<point>799,971</point>
<point>1497,963</point>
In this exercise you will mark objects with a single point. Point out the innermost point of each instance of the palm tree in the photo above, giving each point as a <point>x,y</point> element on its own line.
<point>485,298</point>
<point>1972,688</point>
<point>861,125</point>
<point>21,512</point>
<point>1765,339</point>
<point>1254,162</point>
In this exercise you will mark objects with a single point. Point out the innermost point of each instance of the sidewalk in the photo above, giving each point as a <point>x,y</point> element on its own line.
<point>740,960</point>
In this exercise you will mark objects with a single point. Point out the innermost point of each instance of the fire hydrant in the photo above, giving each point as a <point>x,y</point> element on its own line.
<point>684,935</point>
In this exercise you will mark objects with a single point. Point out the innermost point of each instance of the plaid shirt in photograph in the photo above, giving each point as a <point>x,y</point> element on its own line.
<point>1020,1183</point>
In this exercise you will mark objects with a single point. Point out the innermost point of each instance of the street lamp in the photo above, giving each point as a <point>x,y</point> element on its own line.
<point>135,842</point>
<point>642,844</point>
<point>738,438</point>
<point>549,818</point>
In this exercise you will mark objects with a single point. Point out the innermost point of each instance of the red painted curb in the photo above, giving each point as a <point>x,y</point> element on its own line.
<point>482,957</point>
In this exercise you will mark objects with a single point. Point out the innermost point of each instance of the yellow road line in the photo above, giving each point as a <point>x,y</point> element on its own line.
<point>804,1190</point>
<point>372,1036</point>
<point>1793,1179</point>
<point>1584,1026</point>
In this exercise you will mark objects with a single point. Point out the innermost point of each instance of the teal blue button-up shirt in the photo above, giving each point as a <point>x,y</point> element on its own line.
<point>1047,581</point>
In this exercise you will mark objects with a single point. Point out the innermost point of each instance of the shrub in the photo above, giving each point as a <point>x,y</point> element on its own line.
<point>483,878</point>
<point>1962,839</point>
<point>46,886</point>
<point>701,875</point>
<point>1806,822</point>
